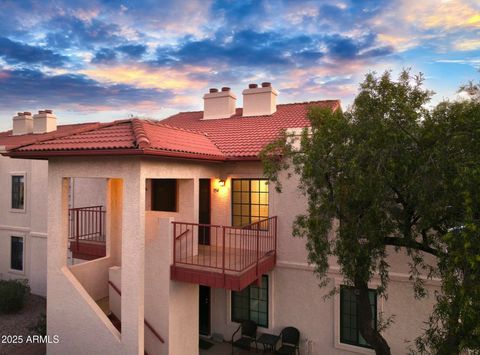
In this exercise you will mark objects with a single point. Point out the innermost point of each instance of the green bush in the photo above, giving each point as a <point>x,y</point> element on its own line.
<point>12,295</point>
<point>41,327</point>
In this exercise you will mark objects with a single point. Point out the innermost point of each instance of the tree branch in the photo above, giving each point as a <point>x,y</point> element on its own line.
<point>401,242</point>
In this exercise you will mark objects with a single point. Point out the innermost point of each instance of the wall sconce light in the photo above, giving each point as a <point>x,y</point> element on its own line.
<point>221,183</point>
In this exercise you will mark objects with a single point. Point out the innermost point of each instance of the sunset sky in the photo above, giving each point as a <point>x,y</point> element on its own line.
<point>105,60</point>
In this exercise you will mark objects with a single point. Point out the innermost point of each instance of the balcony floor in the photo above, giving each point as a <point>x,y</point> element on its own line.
<point>206,268</point>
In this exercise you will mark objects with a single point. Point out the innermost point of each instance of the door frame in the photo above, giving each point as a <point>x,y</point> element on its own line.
<point>204,217</point>
<point>208,313</point>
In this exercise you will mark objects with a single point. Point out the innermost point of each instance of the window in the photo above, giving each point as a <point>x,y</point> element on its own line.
<point>349,333</point>
<point>18,192</point>
<point>251,304</point>
<point>249,201</point>
<point>164,195</point>
<point>16,253</point>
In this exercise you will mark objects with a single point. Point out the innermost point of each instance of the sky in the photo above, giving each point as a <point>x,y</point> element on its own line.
<point>105,60</point>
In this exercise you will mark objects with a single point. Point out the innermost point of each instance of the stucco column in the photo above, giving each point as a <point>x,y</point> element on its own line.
<point>56,244</point>
<point>114,219</point>
<point>133,262</point>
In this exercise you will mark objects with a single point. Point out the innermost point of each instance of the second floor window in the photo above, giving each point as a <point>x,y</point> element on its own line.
<point>18,192</point>
<point>249,201</point>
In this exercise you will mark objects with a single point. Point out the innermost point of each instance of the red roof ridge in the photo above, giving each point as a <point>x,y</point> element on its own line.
<point>286,104</point>
<point>140,133</point>
<point>86,127</point>
<point>159,123</point>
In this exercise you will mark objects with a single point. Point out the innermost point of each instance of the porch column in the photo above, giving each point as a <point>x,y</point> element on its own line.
<point>133,262</point>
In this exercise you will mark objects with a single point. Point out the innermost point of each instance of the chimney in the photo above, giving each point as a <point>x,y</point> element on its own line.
<point>44,122</point>
<point>22,123</point>
<point>259,101</point>
<point>219,104</point>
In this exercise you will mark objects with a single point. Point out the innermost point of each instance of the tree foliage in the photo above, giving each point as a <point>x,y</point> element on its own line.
<point>382,174</point>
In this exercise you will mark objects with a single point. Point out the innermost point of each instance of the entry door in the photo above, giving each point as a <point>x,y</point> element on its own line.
<point>204,212</point>
<point>204,310</point>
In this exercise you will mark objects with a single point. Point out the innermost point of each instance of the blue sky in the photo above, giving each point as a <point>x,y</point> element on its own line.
<point>105,60</point>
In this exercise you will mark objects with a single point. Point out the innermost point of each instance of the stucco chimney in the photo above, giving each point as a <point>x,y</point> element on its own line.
<point>259,101</point>
<point>219,104</point>
<point>22,123</point>
<point>44,122</point>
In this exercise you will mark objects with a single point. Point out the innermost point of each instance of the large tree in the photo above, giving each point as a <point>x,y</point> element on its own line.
<point>378,175</point>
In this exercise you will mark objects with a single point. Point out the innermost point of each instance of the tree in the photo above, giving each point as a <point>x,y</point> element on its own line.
<point>454,325</point>
<point>378,174</point>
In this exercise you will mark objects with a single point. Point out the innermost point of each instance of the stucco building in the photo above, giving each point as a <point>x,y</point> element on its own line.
<point>195,239</point>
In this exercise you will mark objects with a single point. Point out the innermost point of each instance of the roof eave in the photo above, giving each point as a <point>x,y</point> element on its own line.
<point>42,155</point>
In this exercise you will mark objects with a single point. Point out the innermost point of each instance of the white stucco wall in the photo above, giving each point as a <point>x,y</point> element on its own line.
<point>31,223</point>
<point>295,298</point>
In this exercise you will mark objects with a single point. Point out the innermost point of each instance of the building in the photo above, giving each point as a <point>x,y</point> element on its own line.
<point>23,197</point>
<point>196,240</point>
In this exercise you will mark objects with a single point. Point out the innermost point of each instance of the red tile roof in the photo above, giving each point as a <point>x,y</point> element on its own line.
<point>10,141</point>
<point>185,134</point>
<point>239,136</point>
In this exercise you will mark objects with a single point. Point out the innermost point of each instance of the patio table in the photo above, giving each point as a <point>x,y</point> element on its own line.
<point>269,341</point>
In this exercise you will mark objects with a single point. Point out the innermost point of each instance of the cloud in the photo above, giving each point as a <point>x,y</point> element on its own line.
<point>104,55</point>
<point>70,90</point>
<point>467,45</point>
<point>19,53</point>
<point>132,50</point>
<point>67,31</point>
<point>142,76</point>
<point>243,48</point>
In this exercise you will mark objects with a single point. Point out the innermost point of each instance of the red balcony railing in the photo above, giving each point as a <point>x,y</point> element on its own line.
<point>87,224</point>
<point>221,248</point>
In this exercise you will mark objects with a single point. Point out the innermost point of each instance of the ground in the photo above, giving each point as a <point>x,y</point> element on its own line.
<point>17,324</point>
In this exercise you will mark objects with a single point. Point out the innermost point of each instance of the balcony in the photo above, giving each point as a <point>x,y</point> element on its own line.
<point>223,256</point>
<point>87,232</point>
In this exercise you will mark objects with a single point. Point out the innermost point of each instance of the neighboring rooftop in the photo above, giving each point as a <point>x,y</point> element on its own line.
<point>185,135</point>
<point>9,141</point>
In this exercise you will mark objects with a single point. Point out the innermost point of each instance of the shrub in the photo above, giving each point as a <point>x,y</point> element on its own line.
<point>12,295</point>
<point>41,327</point>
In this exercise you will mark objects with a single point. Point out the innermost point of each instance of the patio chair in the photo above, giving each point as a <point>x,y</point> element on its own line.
<point>248,335</point>
<point>290,342</point>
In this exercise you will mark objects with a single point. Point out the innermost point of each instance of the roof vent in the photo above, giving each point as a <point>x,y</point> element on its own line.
<point>259,101</point>
<point>219,104</point>
<point>22,123</point>
<point>44,121</point>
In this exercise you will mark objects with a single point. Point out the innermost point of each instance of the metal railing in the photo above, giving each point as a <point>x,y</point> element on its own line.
<point>225,248</point>
<point>87,224</point>
<point>147,324</point>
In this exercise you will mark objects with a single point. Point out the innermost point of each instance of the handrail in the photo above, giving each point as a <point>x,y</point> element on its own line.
<point>87,223</point>
<point>182,234</point>
<point>154,332</point>
<point>144,320</point>
<point>85,208</point>
<point>115,287</point>
<point>232,249</point>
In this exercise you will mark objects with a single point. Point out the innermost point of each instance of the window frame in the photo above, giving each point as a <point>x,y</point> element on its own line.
<point>17,271</point>
<point>24,175</point>
<point>269,294</point>
<point>340,322</point>
<point>232,203</point>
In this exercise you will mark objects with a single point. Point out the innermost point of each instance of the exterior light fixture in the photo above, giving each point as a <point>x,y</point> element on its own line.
<point>220,183</point>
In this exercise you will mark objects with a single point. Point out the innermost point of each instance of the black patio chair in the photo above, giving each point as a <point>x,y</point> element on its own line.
<point>248,335</point>
<point>290,342</point>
